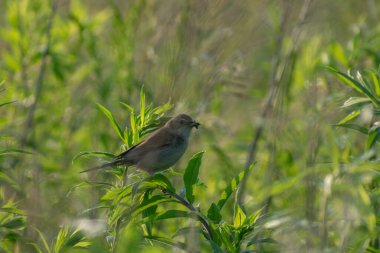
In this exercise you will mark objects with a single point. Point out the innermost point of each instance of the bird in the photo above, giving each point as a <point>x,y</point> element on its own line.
<point>159,151</point>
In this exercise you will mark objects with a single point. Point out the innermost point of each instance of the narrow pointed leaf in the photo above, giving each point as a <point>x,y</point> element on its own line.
<point>350,116</point>
<point>354,127</point>
<point>92,153</point>
<point>14,151</point>
<point>373,136</point>
<point>167,241</point>
<point>356,101</point>
<point>357,86</point>
<point>375,80</point>
<point>112,120</point>
<point>153,201</point>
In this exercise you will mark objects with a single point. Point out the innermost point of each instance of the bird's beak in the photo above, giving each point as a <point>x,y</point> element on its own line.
<point>195,124</point>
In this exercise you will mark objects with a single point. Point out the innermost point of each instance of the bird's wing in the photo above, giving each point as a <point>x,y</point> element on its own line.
<point>158,139</point>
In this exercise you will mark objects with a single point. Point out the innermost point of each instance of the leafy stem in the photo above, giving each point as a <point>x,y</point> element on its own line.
<point>189,206</point>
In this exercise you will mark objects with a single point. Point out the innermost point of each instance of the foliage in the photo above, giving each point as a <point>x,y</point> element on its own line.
<point>252,72</point>
<point>154,199</point>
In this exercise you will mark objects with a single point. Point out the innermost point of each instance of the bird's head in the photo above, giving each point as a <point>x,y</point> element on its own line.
<point>182,124</point>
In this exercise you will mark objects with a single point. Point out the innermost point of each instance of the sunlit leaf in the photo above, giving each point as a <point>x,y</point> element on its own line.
<point>190,176</point>
<point>130,108</point>
<point>339,54</point>
<point>239,216</point>
<point>356,101</point>
<point>356,85</point>
<point>43,240</point>
<point>375,80</point>
<point>162,109</point>
<point>112,120</point>
<point>350,116</point>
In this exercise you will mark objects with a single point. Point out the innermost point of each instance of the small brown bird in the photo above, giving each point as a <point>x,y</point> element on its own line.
<point>159,151</point>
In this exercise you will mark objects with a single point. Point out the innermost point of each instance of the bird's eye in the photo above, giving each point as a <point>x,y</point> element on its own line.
<point>182,121</point>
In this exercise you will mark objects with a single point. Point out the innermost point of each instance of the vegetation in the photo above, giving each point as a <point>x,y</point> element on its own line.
<point>286,158</point>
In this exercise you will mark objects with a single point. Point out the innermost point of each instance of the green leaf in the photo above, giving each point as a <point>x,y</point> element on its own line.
<point>172,214</point>
<point>36,247</point>
<point>159,110</point>
<point>134,127</point>
<point>44,242</point>
<point>112,120</point>
<point>239,216</point>
<point>356,85</point>
<point>373,135</point>
<point>5,178</point>
<point>14,223</point>
<point>160,180</point>
<point>12,210</point>
<point>153,201</point>
<point>167,241</point>
<point>339,54</point>
<point>190,176</point>
<point>375,79</point>
<point>92,153</point>
<point>254,217</point>
<point>130,108</point>
<point>14,151</point>
<point>354,127</point>
<point>149,212</point>
<point>356,101</point>
<point>214,213</point>
<point>232,187</point>
<point>66,240</point>
<point>75,239</point>
<point>350,116</point>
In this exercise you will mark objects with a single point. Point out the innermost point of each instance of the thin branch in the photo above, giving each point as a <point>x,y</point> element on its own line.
<point>40,79</point>
<point>189,206</point>
<point>274,82</point>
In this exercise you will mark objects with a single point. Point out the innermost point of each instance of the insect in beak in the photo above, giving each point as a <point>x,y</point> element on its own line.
<point>195,124</point>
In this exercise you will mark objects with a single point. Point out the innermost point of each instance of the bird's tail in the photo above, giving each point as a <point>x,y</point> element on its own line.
<point>113,163</point>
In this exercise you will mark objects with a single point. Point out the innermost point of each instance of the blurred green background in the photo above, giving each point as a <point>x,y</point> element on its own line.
<point>247,70</point>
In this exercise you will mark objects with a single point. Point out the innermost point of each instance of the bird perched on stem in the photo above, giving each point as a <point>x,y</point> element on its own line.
<point>159,151</point>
